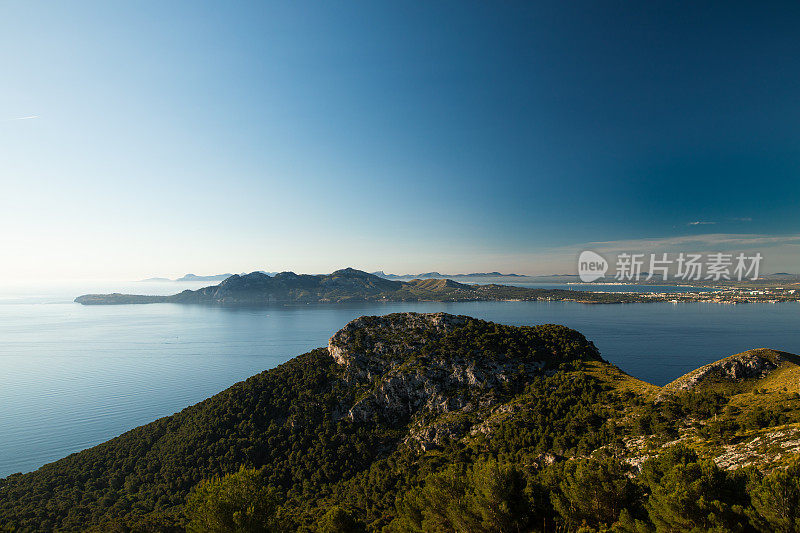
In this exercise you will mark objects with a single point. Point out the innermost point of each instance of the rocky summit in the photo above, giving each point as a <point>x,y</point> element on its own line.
<point>420,363</point>
<point>735,370</point>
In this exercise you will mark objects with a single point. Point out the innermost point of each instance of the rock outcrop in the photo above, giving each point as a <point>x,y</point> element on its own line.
<point>753,364</point>
<point>415,367</point>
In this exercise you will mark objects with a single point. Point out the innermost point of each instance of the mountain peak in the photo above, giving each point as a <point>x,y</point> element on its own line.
<point>372,343</point>
<point>438,363</point>
<point>349,271</point>
<point>439,284</point>
<point>738,370</point>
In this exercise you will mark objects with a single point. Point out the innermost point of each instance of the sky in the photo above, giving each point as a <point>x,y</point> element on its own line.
<point>144,139</point>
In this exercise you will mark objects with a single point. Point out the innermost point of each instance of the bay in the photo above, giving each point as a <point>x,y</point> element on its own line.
<point>73,376</point>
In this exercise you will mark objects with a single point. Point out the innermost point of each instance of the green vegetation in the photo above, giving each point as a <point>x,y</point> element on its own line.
<point>440,423</point>
<point>235,503</point>
<point>484,496</point>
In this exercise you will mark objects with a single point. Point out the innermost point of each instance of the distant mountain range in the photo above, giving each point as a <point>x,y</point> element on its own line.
<point>193,277</point>
<point>259,288</point>
<point>437,275</point>
<point>300,282</point>
<point>379,273</point>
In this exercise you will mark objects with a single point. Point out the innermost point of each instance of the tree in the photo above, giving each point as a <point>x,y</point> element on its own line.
<point>776,500</point>
<point>497,496</point>
<point>594,492</point>
<point>234,503</point>
<point>486,497</point>
<point>691,495</point>
<point>338,520</point>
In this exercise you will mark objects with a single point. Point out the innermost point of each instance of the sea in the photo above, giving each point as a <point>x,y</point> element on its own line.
<point>73,376</point>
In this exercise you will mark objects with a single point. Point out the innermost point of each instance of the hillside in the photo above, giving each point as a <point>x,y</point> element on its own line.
<point>402,417</point>
<point>258,288</point>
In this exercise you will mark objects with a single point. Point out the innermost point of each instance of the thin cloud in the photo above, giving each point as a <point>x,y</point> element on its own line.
<point>742,219</point>
<point>711,240</point>
<point>27,117</point>
<point>700,223</point>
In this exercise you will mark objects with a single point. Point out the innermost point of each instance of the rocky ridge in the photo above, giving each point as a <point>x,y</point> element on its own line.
<point>411,366</point>
<point>749,365</point>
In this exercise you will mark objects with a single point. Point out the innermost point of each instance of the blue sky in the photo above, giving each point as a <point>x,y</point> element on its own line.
<point>152,138</point>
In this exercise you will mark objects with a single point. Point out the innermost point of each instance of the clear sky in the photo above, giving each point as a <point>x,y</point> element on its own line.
<point>159,138</point>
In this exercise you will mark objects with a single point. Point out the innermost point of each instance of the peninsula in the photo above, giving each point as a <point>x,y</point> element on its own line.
<point>349,285</point>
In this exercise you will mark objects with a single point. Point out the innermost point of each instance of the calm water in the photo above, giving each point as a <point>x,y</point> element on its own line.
<point>534,283</point>
<point>73,376</point>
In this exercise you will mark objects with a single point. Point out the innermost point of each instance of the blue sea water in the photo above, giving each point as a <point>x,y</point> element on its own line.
<point>537,283</point>
<point>73,376</point>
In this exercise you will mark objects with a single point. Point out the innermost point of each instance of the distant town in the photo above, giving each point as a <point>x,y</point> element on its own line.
<point>729,295</point>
